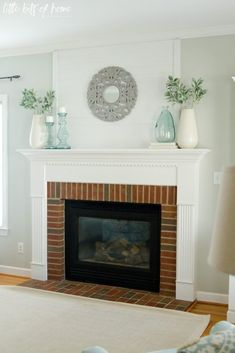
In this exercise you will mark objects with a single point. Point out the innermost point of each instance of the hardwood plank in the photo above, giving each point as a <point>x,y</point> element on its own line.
<point>218,312</point>
<point>12,280</point>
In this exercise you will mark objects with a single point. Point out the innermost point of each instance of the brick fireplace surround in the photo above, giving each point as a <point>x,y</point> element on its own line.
<point>134,175</point>
<point>57,192</point>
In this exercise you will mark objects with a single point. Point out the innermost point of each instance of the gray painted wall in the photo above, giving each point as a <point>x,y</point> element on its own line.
<point>36,72</point>
<point>213,59</point>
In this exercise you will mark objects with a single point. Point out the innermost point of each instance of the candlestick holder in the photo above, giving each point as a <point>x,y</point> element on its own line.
<point>50,135</point>
<point>62,134</point>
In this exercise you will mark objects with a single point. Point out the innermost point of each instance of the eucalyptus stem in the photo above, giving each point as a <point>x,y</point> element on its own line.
<point>178,92</point>
<point>39,105</point>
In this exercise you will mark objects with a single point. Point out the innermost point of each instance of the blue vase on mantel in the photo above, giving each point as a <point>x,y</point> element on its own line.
<point>63,132</point>
<point>165,127</point>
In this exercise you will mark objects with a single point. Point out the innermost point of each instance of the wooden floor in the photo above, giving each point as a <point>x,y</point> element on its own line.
<point>11,280</point>
<point>217,311</point>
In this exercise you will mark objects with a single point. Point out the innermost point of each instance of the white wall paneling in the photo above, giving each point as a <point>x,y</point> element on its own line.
<point>149,63</point>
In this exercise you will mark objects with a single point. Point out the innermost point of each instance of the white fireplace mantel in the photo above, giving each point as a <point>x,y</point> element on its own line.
<point>123,166</point>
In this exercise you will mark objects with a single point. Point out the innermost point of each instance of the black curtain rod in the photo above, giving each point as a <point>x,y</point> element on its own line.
<point>10,77</point>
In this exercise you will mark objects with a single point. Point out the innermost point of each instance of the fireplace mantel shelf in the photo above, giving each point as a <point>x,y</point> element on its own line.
<point>167,155</point>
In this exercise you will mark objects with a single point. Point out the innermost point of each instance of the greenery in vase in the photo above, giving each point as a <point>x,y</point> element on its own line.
<point>39,105</point>
<point>178,92</point>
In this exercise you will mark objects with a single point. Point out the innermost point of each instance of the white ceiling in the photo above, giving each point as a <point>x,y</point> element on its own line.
<point>38,25</point>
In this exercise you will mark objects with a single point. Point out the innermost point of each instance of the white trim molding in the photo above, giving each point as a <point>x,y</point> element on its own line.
<point>4,231</point>
<point>231,301</point>
<point>15,271</point>
<point>128,166</point>
<point>212,297</point>
<point>4,169</point>
<point>95,41</point>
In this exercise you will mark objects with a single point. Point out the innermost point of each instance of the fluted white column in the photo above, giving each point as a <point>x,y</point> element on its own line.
<point>185,263</point>
<point>39,238</point>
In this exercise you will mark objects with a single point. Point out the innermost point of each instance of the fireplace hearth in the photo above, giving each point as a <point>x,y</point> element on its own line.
<point>115,243</point>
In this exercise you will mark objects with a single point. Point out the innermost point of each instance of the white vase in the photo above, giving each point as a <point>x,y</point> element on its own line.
<point>187,135</point>
<point>37,137</point>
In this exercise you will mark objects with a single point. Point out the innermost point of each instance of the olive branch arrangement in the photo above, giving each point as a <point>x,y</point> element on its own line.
<point>39,105</point>
<point>178,92</point>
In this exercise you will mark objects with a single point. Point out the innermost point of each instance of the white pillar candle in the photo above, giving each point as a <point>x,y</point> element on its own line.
<point>49,119</point>
<point>62,110</point>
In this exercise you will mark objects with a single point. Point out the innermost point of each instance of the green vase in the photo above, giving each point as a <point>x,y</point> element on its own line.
<point>63,132</point>
<point>165,127</point>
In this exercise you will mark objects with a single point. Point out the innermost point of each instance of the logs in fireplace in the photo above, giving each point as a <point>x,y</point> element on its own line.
<point>115,243</point>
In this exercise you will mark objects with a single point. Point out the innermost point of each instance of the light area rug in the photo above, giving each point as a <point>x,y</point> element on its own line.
<point>36,321</point>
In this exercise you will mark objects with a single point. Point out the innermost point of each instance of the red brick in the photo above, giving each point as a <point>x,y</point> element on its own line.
<point>170,198</point>
<point>55,242</point>
<point>73,191</point>
<point>167,283</point>
<point>167,260</point>
<point>165,253</point>
<point>55,277</point>
<point>140,193</point>
<point>164,195</point>
<point>168,274</point>
<point>167,280</point>
<point>135,193</point>
<point>168,234</point>
<point>157,194</point>
<point>151,194</point>
<point>53,214</point>
<point>55,272</point>
<point>123,193</point>
<point>94,192</point>
<point>79,191</point>
<point>101,192</point>
<point>169,266</point>
<point>57,225</point>
<point>55,261</point>
<point>89,191</point>
<point>169,241</point>
<point>170,215</point>
<point>169,208</point>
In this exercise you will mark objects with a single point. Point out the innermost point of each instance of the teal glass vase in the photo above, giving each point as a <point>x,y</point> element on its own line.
<point>62,132</point>
<point>165,127</point>
<point>50,136</point>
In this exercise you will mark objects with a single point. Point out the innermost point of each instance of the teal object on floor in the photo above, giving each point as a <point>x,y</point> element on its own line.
<point>165,127</point>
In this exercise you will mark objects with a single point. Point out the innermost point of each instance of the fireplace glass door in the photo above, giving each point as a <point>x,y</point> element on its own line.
<point>113,243</point>
<point>119,242</point>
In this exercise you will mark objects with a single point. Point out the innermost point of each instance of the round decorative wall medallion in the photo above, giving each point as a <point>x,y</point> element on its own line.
<point>112,93</point>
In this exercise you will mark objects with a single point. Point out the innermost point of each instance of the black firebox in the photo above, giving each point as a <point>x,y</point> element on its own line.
<point>114,243</point>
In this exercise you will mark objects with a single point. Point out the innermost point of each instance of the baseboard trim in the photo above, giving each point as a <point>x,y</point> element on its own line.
<point>15,271</point>
<point>231,316</point>
<point>212,297</point>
